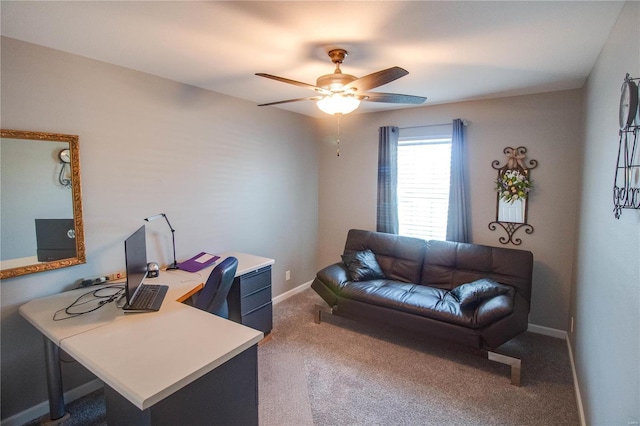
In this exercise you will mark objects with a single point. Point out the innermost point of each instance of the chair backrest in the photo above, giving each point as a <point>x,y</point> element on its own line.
<point>213,297</point>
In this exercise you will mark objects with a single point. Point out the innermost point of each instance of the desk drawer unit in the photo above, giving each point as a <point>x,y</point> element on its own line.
<point>250,300</point>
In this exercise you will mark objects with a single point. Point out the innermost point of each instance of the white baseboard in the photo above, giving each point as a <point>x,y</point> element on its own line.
<point>547,331</point>
<point>561,334</point>
<point>292,292</point>
<point>576,385</point>
<point>43,408</point>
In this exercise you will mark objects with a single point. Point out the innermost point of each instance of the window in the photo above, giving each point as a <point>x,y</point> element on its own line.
<point>424,164</point>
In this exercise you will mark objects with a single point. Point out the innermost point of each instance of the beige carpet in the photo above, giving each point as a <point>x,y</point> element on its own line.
<point>358,374</point>
<point>284,396</point>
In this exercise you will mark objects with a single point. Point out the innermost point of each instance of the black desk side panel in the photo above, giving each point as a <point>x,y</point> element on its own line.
<point>227,395</point>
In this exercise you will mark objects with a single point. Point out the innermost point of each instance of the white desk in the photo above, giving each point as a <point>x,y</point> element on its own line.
<point>17,263</point>
<point>145,357</point>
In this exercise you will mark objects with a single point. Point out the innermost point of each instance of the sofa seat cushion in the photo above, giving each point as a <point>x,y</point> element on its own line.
<point>430,302</point>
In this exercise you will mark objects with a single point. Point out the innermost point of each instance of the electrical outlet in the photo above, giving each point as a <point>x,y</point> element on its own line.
<point>86,282</point>
<point>117,276</point>
<point>287,275</point>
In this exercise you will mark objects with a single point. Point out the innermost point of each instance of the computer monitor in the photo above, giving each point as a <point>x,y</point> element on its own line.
<point>55,239</point>
<point>135,254</point>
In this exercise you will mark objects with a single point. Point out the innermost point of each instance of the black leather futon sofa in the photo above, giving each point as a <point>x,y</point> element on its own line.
<point>473,295</point>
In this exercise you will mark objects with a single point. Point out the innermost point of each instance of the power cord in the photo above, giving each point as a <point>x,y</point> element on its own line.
<point>102,296</point>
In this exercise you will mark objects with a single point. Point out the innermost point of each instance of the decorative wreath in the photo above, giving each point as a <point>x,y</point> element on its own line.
<point>513,185</point>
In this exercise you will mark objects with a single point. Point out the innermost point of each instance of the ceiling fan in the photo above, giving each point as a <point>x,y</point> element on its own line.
<point>340,93</point>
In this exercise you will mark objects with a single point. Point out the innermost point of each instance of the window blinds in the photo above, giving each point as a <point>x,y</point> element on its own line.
<point>424,163</point>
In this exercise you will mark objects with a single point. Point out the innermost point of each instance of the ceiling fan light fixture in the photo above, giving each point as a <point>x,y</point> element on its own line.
<point>338,103</point>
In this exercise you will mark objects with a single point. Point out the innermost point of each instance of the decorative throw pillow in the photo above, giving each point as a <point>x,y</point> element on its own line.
<point>363,266</point>
<point>475,292</point>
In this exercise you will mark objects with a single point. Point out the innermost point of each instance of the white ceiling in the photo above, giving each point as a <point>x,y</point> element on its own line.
<point>453,50</point>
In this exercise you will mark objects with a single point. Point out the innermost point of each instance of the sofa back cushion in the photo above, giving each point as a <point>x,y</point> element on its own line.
<point>449,264</point>
<point>400,258</point>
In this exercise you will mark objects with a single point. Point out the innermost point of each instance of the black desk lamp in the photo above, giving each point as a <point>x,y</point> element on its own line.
<point>174,265</point>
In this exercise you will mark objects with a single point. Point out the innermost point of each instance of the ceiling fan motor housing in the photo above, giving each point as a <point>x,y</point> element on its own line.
<point>336,81</point>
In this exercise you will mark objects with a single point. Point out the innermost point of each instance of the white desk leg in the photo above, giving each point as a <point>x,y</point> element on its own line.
<point>57,413</point>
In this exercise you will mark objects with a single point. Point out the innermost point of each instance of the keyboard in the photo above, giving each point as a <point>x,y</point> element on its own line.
<point>148,298</point>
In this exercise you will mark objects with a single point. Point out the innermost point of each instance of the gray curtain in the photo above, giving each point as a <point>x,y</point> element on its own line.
<point>387,215</point>
<point>457,224</point>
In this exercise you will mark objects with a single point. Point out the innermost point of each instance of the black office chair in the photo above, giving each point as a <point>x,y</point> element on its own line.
<point>213,297</point>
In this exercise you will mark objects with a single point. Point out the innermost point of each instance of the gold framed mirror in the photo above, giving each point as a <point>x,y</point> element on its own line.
<point>41,199</point>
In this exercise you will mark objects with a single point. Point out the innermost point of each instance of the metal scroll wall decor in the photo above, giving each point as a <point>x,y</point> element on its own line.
<point>512,194</point>
<point>626,185</point>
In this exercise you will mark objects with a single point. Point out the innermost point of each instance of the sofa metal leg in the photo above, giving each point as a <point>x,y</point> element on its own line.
<point>515,364</point>
<point>318,310</point>
<point>317,314</point>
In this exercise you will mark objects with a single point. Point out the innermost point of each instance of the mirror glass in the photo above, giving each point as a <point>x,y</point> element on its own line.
<point>514,212</point>
<point>512,199</point>
<point>40,194</point>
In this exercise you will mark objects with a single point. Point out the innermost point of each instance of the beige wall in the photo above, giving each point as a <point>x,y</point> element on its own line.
<point>606,298</point>
<point>229,175</point>
<point>548,125</point>
<point>268,182</point>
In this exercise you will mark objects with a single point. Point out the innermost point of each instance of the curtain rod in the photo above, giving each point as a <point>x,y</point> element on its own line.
<point>464,123</point>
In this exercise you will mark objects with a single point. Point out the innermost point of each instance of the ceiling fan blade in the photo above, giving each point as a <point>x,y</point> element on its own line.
<point>295,83</point>
<point>313,98</point>
<point>377,79</point>
<point>392,98</point>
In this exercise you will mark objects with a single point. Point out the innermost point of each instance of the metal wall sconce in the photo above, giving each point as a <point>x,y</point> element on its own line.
<point>64,178</point>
